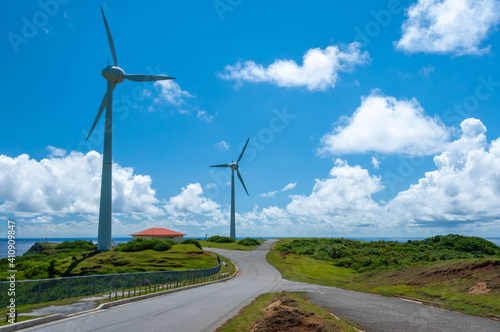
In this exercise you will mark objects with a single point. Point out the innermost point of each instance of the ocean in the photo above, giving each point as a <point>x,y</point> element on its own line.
<point>23,245</point>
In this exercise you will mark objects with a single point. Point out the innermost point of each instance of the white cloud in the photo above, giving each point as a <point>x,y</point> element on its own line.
<point>69,184</point>
<point>319,70</point>
<point>191,201</point>
<point>171,92</point>
<point>465,187</point>
<point>375,163</point>
<point>289,186</point>
<point>269,194</point>
<point>387,125</point>
<point>55,152</point>
<point>348,189</point>
<point>462,192</point>
<point>222,145</point>
<point>40,220</point>
<point>455,27</point>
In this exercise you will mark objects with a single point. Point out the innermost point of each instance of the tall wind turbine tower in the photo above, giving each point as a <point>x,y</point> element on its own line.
<point>113,75</point>
<point>234,167</point>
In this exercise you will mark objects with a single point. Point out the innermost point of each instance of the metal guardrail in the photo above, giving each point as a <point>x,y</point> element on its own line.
<point>32,291</point>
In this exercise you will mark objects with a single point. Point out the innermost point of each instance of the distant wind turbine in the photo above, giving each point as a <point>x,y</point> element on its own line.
<point>234,167</point>
<point>113,75</point>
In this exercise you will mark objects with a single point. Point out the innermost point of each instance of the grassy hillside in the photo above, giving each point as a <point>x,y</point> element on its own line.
<point>74,259</point>
<point>386,255</point>
<point>463,273</point>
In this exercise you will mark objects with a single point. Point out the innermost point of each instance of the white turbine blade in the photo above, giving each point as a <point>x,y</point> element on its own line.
<point>110,39</point>
<point>223,165</point>
<point>147,78</point>
<point>101,109</point>
<point>241,179</point>
<point>241,155</point>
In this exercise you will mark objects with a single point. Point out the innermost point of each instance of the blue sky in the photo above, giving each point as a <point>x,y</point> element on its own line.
<point>375,119</point>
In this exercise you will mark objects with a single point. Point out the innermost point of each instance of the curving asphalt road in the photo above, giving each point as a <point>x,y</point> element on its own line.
<point>205,308</point>
<point>198,309</point>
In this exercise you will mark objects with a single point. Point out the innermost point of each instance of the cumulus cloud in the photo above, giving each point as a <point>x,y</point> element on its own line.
<point>69,184</point>
<point>462,192</point>
<point>171,92</point>
<point>386,125</point>
<point>319,70</point>
<point>455,27</point>
<point>191,201</point>
<point>375,163</point>
<point>289,186</point>
<point>348,189</point>
<point>465,187</point>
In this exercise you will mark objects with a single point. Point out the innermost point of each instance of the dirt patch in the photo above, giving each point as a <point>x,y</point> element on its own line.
<point>475,273</point>
<point>282,314</point>
<point>480,288</point>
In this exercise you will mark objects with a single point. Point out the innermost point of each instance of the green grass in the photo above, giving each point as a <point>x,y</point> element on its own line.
<point>445,282</point>
<point>230,268</point>
<point>306,269</point>
<point>76,262</point>
<point>180,257</point>
<point>227,246</point>
<point>252,313</point>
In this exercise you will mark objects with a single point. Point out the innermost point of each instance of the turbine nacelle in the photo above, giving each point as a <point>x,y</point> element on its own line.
<point>113,74</point>
<point>234,166</point>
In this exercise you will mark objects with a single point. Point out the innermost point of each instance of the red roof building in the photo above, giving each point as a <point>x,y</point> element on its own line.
<point>159,233</point>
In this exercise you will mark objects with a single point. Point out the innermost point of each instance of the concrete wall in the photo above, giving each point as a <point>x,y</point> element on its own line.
<point>177,239</point>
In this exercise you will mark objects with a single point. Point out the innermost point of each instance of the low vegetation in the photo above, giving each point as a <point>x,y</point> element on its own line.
<point>387,255</point>
<point>231,245</point>
<point>462,273</point>
<point>249,242</point>
<point>285,312</point>
<point>77,258</point>
<point>220,239</point>
<point>142,244</point>
<point>192,241</point>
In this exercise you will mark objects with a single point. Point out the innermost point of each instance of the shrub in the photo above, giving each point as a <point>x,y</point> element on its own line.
<point>248,242</point>
<point>192,241</point>
<point>220,239</point>
<point>366,256</point>
<point>142,244</point>
<point>78,244</point>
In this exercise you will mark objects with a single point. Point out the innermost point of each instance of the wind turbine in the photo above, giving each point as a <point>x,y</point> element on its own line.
<point>234,167</point>
<point>113,75</point>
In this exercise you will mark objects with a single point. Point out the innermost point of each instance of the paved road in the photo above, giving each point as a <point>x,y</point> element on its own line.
<point>205,308</point>
<point>199,309</point>
<point>377,313</point>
